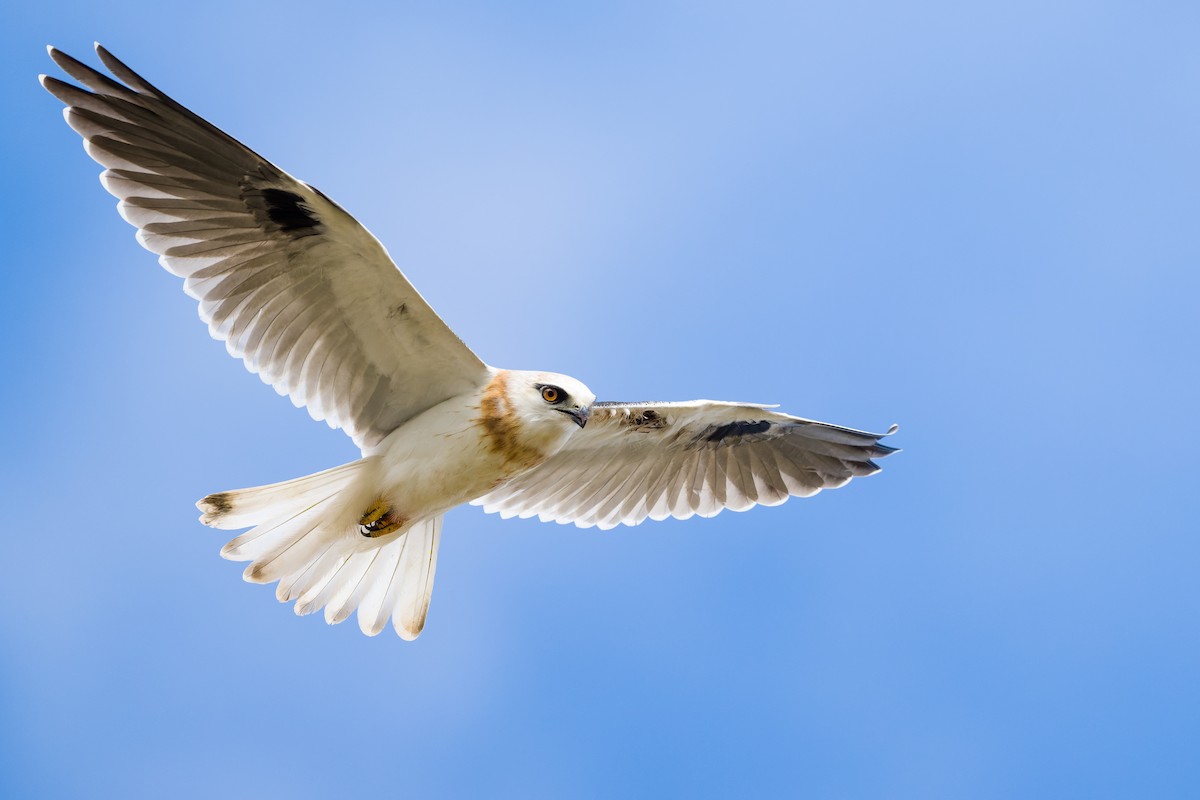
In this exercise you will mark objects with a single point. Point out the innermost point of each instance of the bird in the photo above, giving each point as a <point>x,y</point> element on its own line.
<point>311,302</point>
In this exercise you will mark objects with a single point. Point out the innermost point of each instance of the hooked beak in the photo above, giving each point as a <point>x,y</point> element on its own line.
<point>580,415</point>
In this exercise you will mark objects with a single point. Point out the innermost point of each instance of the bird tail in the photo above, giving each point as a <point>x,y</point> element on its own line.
<point>306,535</point>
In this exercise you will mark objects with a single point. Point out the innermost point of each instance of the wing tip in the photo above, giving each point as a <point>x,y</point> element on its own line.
<point>882,450</point>
<point>62,59</point>
<point>107,58</point>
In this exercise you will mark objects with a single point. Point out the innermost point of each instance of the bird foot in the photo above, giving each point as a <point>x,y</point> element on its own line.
<point>380,520</point>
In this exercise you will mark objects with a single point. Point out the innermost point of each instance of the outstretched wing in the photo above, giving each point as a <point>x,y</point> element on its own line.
<point>294,286</point>
<point>659,460</point>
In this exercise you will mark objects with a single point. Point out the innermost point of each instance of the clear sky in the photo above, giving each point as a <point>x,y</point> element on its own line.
<point>978,220</point>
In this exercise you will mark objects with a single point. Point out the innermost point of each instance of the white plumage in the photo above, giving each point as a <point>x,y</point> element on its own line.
<point>311,302</point>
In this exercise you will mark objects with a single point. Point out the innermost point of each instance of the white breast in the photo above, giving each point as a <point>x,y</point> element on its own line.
<point>442,458</point>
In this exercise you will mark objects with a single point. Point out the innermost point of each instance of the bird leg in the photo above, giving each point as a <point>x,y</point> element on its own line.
<point>380,520</point>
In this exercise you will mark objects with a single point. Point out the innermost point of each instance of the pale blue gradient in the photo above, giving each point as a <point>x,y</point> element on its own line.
<point>976,219</point>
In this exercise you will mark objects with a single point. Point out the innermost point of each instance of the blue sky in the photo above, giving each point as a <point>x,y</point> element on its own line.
<point>975,219</point>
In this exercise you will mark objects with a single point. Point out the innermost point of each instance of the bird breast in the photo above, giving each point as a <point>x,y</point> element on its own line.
<point>456,451</point>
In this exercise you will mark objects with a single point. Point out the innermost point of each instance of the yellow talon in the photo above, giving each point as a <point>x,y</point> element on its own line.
<point>379,521</point>
<point>374,513</point>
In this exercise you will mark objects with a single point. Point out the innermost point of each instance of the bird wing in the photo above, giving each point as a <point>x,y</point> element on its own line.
<point>659,460</point>
<point>295,286</point>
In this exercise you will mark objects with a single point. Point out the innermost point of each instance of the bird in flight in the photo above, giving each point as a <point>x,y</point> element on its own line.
<point>312,303</point>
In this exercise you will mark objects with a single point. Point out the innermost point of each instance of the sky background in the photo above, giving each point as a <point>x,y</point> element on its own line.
<point>978,220</point>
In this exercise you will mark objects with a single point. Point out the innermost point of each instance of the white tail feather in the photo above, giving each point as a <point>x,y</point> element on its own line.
<point>242,508</point>
<point>306,537</point>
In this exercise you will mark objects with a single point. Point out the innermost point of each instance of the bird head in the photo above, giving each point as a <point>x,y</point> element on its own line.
<point>549,399</point>
<point>529,416</point>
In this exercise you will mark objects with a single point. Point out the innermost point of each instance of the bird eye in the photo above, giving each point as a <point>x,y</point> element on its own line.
<point>551,394</point>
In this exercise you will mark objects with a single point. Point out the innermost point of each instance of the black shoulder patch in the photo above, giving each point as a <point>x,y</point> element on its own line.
<point>719,433</point>
<point>288,211</point>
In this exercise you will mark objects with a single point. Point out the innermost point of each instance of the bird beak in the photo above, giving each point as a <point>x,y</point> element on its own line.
<point>580,415</point>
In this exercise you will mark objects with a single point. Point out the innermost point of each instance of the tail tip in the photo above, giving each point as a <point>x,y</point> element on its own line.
<point>257,573</point>
<point>214,507</point>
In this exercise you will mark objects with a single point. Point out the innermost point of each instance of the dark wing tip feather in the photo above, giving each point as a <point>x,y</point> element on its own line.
<point>883,450</point>
<point>118,67</point>
<point>70,64</point>
<point>67,93</point>
<point>96,81</point>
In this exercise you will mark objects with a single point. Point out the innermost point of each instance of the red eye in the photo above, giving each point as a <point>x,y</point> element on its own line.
<point>551,394</point>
